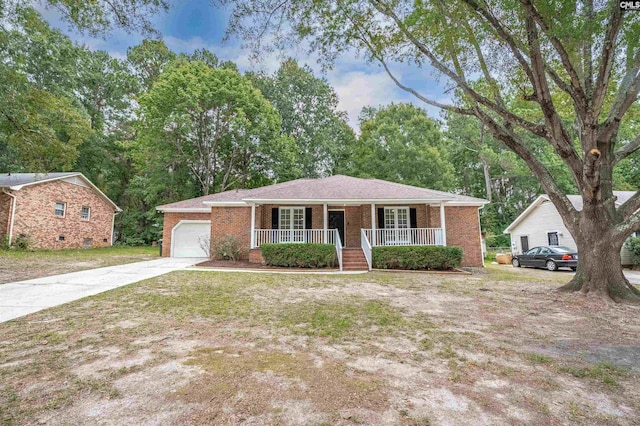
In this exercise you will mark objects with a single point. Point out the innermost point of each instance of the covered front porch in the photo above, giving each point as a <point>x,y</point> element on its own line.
<point>349,226</point>
<point>361,226</point>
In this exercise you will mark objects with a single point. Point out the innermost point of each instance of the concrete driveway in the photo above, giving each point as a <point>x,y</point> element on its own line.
<point>24,297</point>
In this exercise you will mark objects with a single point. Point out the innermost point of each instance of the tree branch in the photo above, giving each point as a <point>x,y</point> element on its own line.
<point>629,207</point>
<point>607,55</point>
<point>536,129</point>
<point>559,47</point>
<point>366,37</point>
<point>630,212</point>
<point>559,139</point>
<point>625,97</point>
<point>510,139</point>
<point>625,150</point>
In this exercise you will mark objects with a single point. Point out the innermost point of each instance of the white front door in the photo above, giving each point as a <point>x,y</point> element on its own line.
<point>191,239</point>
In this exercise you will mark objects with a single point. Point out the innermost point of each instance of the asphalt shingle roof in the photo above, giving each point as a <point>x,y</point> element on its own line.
<point>16,179</point>
<point>332,188</point>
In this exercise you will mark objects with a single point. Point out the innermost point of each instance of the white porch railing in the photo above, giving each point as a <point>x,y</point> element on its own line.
<point>275,236</point>
<point>366,247</point>
<point>405,237</point>
<point>338,248</point>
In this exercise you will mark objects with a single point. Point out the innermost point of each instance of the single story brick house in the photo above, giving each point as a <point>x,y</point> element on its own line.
<point>352,213</point>
<point>540,224</point>
<point>55,210</point>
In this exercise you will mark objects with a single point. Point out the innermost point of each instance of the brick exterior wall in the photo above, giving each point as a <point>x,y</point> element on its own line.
<point>232,221</point>
<point>255,256</point>
<point>171,220</point>
<point>463,230</point>
<point>5,213</point>
<point>35,217</point>
<point>463,227</point>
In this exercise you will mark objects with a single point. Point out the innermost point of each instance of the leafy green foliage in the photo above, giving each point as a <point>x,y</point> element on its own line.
<point>400,143</point>
<point>498,240</point>
<point>214,123</point>
<point>98,17</point>
<point>417,257</point>
<point>306,255</point>
<point>633,244</point>
<point>308,107</point>
<point>22,242</point>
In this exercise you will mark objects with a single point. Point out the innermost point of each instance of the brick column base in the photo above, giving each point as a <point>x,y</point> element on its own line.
<point>255,256</point>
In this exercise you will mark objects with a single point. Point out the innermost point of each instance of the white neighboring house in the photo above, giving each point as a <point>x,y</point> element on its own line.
<point>541,225</point>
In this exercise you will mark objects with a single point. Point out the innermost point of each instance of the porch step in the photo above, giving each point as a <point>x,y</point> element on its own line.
<point>354,260</point>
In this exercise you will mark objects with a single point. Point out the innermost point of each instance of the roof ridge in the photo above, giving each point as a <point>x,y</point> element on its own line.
<point>426,189</point>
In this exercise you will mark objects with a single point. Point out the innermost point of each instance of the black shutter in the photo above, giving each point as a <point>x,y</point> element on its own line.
<point>274,218</point>
<point>413,221</point>
<point>308,222</point>
<point>381,218</point>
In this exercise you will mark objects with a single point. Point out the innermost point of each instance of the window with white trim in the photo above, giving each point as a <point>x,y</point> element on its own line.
<point>60,209</point>
<point>396,217</point>
<point>292,220</point>
<point>553,238</point>
<point>85,214</point>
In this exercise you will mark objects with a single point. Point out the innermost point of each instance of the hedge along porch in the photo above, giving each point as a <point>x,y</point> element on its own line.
<point>352,213</point>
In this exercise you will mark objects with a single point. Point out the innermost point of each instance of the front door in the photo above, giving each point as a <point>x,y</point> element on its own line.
<point>336,221</point>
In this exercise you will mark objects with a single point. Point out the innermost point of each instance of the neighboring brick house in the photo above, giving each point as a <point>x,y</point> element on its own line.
<point>321,210</point>
<point>55,210</point>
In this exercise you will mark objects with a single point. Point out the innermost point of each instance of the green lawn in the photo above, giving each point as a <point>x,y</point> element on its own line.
<point>195,347</point>
<point>16,265</point>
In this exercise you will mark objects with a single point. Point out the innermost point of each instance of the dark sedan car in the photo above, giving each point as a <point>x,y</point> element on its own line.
<point>552,258</point>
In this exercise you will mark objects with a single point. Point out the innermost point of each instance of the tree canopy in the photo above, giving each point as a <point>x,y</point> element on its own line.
<point>400,143</point>
<point>308,107</point>
<point>216,122</point>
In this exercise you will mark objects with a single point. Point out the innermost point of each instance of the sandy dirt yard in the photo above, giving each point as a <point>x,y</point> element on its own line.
<point>496,347</point>
<point>18,265</point>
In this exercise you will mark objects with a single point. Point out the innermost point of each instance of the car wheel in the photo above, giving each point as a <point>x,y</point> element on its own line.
<point>551,265</point>
<point>515,263</point>
<point>574,269</point>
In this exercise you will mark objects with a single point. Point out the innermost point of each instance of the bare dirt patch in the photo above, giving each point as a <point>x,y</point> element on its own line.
<point>496,347</point>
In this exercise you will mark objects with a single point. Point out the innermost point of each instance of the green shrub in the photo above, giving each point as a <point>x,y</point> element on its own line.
<point>4,243</point>
<point>22,242</point>
<point>228,247</point>
<point>305,255</point>
<point>417,257</point>
<point>499,240</point>
<point>633,244</point>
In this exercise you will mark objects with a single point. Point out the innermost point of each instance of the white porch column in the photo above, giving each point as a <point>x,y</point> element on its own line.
<point>325,222</point>
<point>373,224</point>
<point>253,225</point>
<point>443,224</point>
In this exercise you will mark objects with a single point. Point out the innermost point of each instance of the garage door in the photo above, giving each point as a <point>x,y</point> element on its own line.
<point>191,239</point>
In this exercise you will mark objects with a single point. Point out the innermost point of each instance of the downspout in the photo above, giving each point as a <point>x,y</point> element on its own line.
<point>13,214</point>
<point>113,222</point>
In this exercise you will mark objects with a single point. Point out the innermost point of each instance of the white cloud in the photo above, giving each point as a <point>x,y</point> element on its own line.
<point>357,89</point>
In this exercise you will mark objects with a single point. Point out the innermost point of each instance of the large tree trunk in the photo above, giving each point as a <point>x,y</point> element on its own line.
<point>599,267</point>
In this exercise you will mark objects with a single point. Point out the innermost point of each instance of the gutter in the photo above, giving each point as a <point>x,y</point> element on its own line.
<point>13,214</point>
<point>113,223</point>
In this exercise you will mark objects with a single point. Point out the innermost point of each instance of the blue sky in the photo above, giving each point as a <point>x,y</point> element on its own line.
<point>195,24</point>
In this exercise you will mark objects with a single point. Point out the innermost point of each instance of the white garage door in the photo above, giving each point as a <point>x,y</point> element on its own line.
<point>191,239</point>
